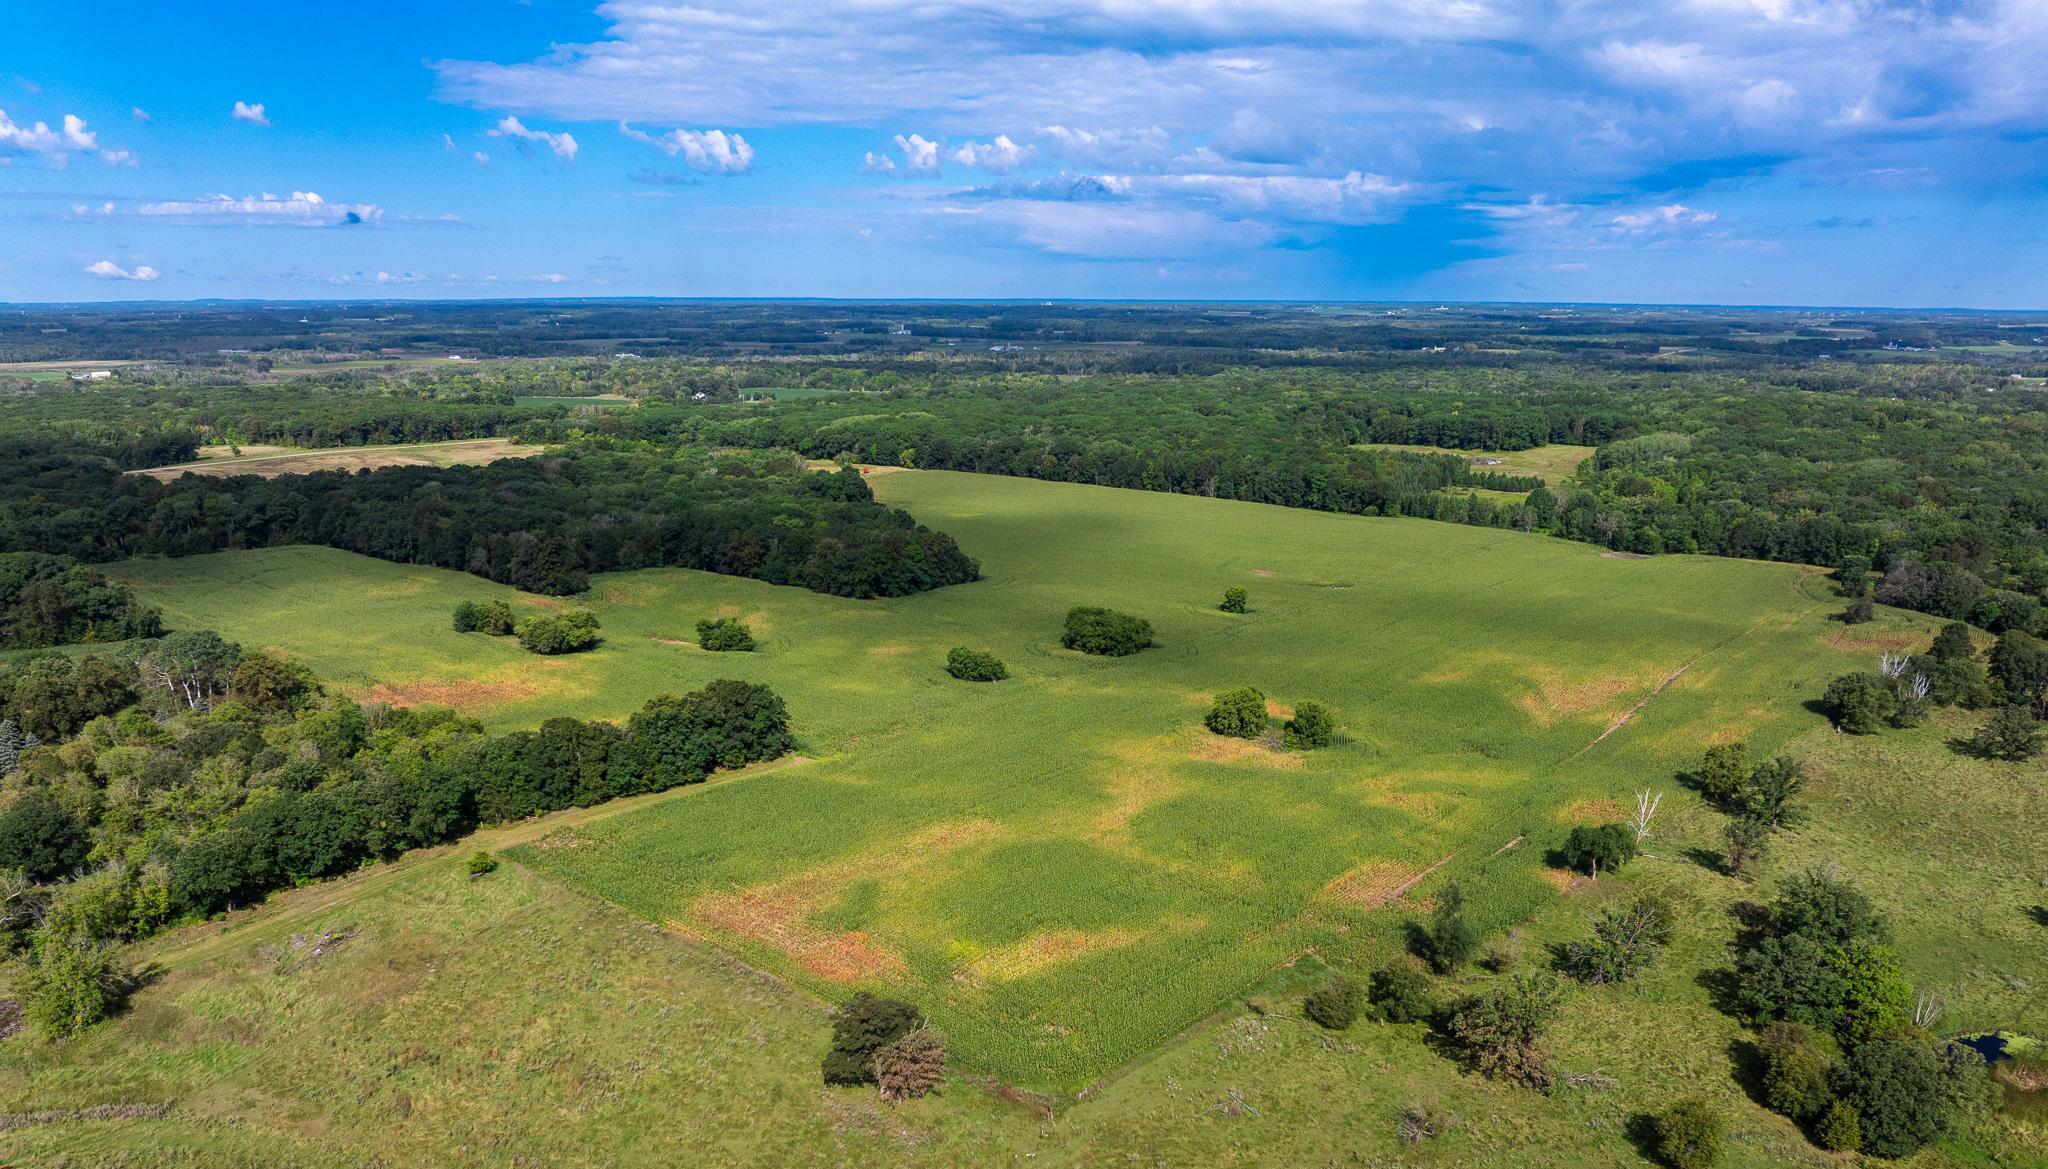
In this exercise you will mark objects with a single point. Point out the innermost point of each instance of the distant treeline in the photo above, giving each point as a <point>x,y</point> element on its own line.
<point>1836,467</point>
<point>542,525</point>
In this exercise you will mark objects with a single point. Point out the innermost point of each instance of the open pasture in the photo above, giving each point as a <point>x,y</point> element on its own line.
<point>1553,463</point>
<point>1064,868</point>
<point>270,461</point>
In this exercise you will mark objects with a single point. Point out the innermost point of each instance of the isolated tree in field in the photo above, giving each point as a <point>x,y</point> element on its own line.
<point>1860,703</point>
<point>1401,992</point>
<point>1105,632</point>
<point>1500,1030</point>
<point>469,617</point>
<point>724,635</point>
<point>972,665</point>
<point>2019,665</point>
<point>860,1030</point>
<point>1689,1135</point>
<point>1625,941</point>
<point>1335,1004</point>
<point>1448,941</point>
<point>1609,847</point>
<point>1747,841</point>
<point>2011,733</point>
<point>1313,725</point>
<point>1861,609</point>
<point>1723,771</point>
<point>1239,713</point>
<point>1236,600</point>
<point>910,1065</point>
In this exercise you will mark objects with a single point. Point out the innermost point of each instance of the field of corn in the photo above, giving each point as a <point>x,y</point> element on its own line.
<point>1064,868</point>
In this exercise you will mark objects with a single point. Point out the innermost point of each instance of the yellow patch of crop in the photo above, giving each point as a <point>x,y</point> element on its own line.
<point>1591,812</point>
<point>1557,698</point>
<point>1379,882</point>
<point>1046,949</point>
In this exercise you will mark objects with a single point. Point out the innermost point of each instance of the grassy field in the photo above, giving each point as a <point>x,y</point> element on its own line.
<point>269,461</point>
<point>601,401</point>
<point>1065,868</point>
<point>1553,464</point>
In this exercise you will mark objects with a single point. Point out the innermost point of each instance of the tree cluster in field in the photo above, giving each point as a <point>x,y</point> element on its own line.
<point>725,635</point>
<point>1845,1047</point>
<point>2010,679</point>
<point>973,665</point>
<point>1241,714</point>
<point>1105,632</point>
<point>542,525</point>
<point>54,600</point>
<point>570,631</point>
<point>197,776</point>
<point>886,1043</point>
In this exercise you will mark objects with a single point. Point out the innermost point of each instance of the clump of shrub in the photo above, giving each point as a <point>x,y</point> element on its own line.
<point>1239,713</point>
<point>1401,992</point>
<point>1609,847</point>
<point>1500,1030</point>
<point>972,665</point>
<point>72,984</point>
<point>1420,1122</point>
<point>1839,1130</point>
<point>724,635</point>
<point>480,863</point>
<point>1235,600</point>
<point>1335,1004</point>
<point>494,618</point>
<point>1105,632</point>
<point>2012,733</point>
<point>558,633</point>
<point>1313,725</point>
<point>1795,1072</point>
<point>1860,704</point>
<point>1625,941</point>
<point>860,1030</point>
<point>910,1065</point>
<point>1688,1135</point>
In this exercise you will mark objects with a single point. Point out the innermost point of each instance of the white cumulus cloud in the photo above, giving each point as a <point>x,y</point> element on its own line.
<point>251,113</point>
<point>109,270</point>
<point>1000,156</point>
<point>920,154</point>
<point>704,150</point>
<point>562,143</point>
<point>72,136</point>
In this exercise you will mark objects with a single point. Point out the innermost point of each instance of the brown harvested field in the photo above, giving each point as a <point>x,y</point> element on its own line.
<point>273,461</point>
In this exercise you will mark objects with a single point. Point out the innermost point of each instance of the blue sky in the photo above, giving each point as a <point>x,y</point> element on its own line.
<point>1720,151</point>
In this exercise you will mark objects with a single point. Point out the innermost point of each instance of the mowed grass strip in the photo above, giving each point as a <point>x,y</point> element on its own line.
<point>1552,463</point>
<point>1063,868</point>
<point>272,461</point>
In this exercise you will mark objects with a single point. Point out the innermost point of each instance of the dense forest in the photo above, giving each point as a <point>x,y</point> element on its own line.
<point>542,524</point>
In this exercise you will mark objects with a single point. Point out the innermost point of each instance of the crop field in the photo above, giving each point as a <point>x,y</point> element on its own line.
<point>269,461</point>
<point>1553,463</point>
<point>1064,868</point>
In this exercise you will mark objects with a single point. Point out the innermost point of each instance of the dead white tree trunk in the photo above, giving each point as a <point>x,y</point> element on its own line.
<point>1646,810</point>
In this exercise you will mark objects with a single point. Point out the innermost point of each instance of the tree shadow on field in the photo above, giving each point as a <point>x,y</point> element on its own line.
<point>1641,1131</point>
<point>1710,859</point>
<point>2039,913</point>
<point>1746,1063</point>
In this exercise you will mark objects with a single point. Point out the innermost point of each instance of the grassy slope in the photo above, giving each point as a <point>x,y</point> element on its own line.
<point>517,1021</point>
<point>1553,463</point>
<point>1061,866</point>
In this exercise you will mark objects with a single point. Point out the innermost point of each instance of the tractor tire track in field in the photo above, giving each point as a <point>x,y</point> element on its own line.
<point>1628,716</point>
<point>298,904</point>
